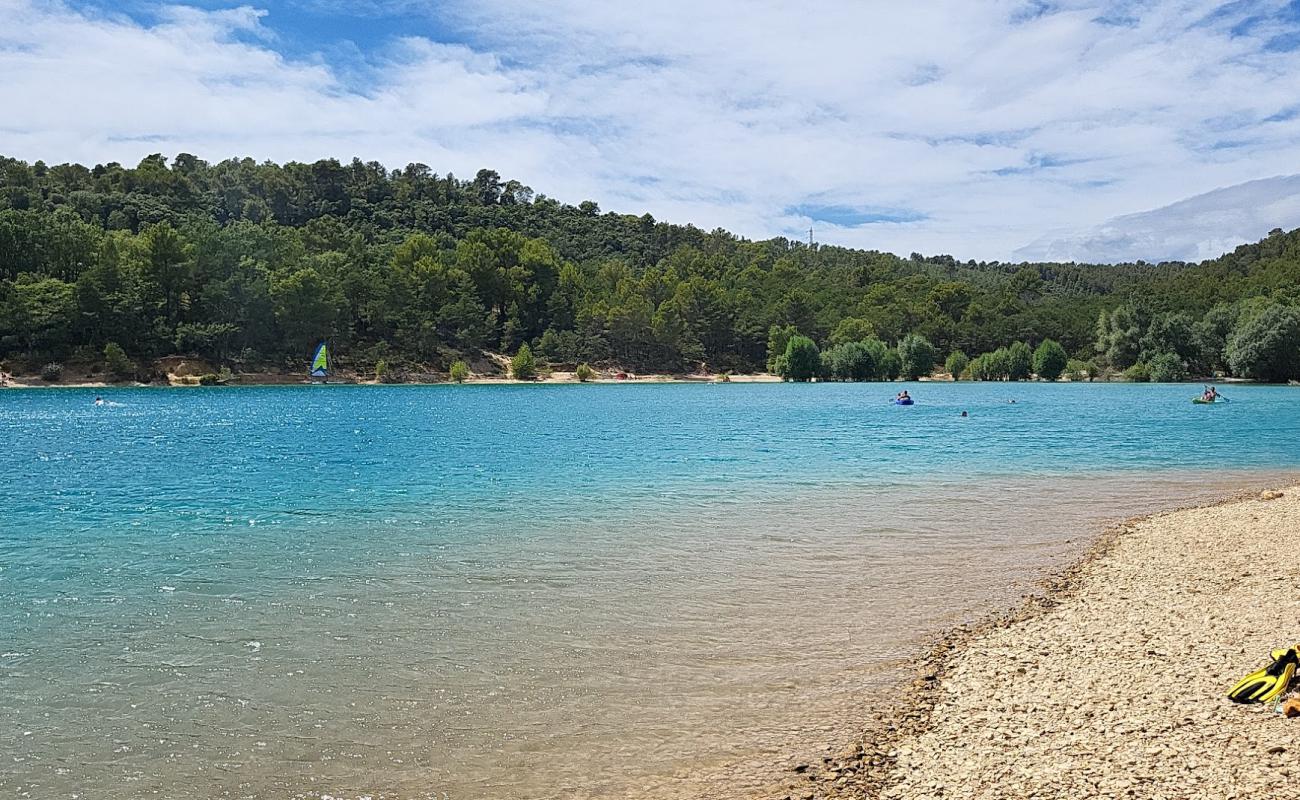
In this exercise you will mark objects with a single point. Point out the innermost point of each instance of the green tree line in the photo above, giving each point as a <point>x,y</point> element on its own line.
<point>249,263</point>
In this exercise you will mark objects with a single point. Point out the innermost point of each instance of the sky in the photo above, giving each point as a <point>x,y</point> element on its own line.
<point>984,129</point>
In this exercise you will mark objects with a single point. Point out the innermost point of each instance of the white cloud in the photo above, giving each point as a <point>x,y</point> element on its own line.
<point>988,124</point>
<point>1197,228</point>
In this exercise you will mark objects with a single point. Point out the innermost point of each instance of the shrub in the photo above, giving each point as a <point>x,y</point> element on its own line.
<point>916,355</point>
<point>1138,373</point>
<point>890,366</point>
<point>51,372</point>
<point>1266,346</point>
<point>523,367</point>
<point>116,361</point>
<point>459,372</point>
<point>851,361</point>
<point>802,359</point>
<point>1020,361</point>
<point>859,362</point>
<point>381,370</point>
<point>1076,370</point>
<point>991,366</point>
<point>584,373</point>
<point>1050,360</point>
<point>778,339</point>
<point>887,364</point>
<point>999,362</point>
<point>956,364</point>
<point>224,375</point>
<point>208,379</point>
<point>1167,368</point>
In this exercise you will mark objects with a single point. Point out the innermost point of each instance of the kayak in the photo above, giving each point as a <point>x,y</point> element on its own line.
<point>1200,401</point>
<point>906,402</point>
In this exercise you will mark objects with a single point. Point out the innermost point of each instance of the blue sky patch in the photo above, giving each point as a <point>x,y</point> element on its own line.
<point>302,29</point>
<point>849,216</point>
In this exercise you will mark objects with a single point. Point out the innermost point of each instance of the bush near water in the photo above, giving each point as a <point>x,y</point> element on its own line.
<point>523,367</point>
<point>247,264</point>
<point>116,361</point>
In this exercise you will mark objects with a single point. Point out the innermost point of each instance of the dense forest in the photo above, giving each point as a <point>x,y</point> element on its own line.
<point>248,264</point>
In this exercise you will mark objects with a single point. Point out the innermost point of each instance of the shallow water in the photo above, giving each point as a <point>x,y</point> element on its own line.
<point>534,592</point>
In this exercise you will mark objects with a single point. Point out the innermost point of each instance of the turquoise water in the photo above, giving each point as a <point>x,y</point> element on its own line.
<point>532,591</point>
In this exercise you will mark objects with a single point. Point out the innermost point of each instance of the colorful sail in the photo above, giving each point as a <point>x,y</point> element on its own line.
<point>320,363</point>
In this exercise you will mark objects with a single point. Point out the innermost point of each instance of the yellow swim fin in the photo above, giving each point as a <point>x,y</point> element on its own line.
<point>1267,684</point>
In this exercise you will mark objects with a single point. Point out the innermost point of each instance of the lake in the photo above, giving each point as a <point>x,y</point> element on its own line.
<point>536,591</point>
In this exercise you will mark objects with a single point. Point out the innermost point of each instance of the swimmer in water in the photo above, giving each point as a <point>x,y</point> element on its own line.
<point>99,401</point>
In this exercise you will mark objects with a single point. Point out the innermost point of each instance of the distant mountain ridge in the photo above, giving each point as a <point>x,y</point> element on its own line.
<point>1221,219</point>
<point>249,264</point>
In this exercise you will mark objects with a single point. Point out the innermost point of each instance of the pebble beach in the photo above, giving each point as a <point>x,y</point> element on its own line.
<point>1111,683</point>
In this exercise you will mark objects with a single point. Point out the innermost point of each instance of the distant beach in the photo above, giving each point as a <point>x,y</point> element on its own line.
<point>193,376</point>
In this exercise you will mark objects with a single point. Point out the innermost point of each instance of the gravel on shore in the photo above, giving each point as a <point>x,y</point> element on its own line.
<point>1111,684</point>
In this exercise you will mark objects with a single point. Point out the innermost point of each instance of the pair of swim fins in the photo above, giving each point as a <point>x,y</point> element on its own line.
<point>1268,684</point>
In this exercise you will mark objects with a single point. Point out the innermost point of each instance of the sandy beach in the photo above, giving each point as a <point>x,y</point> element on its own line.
<point>1111,684</point>
<point>82,380</point>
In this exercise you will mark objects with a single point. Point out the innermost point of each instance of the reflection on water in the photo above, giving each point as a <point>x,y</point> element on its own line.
<point>251,614</point>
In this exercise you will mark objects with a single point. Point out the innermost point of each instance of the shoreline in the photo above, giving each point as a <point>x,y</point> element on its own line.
<point>557,379</point>
<point>263,379</point>
<point>877,761</point>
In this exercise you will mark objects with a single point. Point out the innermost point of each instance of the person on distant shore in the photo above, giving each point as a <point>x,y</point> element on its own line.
<point>1211,394</point>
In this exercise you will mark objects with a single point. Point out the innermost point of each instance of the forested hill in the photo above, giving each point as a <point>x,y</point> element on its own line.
<point>249,264</point>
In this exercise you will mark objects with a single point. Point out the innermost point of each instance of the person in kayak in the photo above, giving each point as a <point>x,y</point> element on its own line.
<point>903,395</point>
<point>1210,395</point>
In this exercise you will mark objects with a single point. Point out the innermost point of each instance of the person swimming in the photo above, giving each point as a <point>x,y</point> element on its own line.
<point>99,401</point>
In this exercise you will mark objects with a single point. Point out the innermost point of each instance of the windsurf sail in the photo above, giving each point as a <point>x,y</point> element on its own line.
<point>320,363</point>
